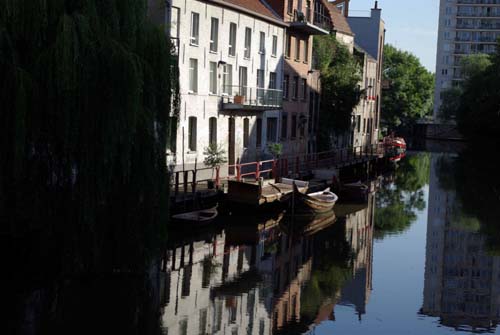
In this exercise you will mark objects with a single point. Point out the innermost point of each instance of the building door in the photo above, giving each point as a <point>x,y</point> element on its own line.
<point>231,147</point>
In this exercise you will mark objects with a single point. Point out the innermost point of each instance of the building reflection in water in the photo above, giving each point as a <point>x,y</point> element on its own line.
<point>249,277</point>
<point>462,280</point>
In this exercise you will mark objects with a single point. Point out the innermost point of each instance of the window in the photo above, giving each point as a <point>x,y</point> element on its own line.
<point>248,42</point>
<point>212,131</point>
<point>258,143</point>
<point>273,95</point>
<point>214,35</point>
<point>192,133</point>
<point>232,39</point>
<point>294,126</point>
<point>286,85</point>
<point>295,92</point>
<point>284,126</point>
<point>246,132</point>
<point>289,8</point>
<point>227,79</point>
<point>243,81</point>
<point>341,8</point>
<point>272,80</point>
<point>288,45</point>
<point>195,28</point>
<point>262,42</point>
<point>358,123</point>
<point>272,127</point>
<point>304,89</point>
<point>306,50</point>
<point>364,125</point>
<point>193,75</point>
<point>275,46</point>
<point>213,78</point>
<point>260,85</point>
<point>297,49</point>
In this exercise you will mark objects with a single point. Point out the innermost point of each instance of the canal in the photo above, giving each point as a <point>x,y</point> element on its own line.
<point>419,257</point>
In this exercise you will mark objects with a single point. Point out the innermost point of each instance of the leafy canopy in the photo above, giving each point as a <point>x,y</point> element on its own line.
<point>340,77</point>
<point>477,101</point>
<point>86,90</point>
<point>411,88</point>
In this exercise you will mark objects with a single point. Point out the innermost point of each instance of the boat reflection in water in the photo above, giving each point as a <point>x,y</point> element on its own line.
<point>267,275</point>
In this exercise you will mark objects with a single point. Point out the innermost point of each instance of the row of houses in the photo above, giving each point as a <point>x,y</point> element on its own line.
<point>247,76</point>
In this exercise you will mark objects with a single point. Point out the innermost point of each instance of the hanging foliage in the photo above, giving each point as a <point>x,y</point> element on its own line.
<point>86,89</point>
<point>340,93</point>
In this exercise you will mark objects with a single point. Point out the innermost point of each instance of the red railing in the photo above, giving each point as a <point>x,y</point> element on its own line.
<point>287,166</point>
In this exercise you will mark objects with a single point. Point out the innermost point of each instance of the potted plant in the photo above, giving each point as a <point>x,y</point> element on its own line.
<point>239,99</point>
<point>215,156</point>
<point>275,149</point>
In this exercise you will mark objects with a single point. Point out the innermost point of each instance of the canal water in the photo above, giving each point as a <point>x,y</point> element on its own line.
<point>419,257</point>
<point>409,261</point>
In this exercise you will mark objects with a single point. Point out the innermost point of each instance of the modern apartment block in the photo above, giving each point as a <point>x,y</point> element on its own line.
<point>230,58</point>
<point>369,35</point>
<point>465,27</point>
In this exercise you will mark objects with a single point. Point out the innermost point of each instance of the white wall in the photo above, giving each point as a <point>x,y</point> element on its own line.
<point>204,105</point>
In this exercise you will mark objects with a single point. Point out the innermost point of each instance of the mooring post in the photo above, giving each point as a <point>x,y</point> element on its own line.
<point>217,177</point>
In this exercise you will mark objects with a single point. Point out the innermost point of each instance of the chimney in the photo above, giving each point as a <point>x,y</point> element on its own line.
<point>376,5</point>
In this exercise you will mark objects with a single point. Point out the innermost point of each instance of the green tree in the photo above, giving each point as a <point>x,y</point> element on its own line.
<point>410,95</point>
<point>471,67</point>
<point>478,115</point>
<point>340,77</point>
<point>86,90</point>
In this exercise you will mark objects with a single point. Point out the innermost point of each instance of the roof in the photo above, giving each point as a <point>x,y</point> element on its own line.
<point>257,8</point>
<point>339,21</point>
<point>360,49</point>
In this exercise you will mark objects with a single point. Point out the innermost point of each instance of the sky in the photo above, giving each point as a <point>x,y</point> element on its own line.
<point>411,25</point>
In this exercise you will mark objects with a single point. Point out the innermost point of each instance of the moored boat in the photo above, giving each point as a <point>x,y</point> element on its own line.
<point>318,202</point>
<point>354,192</point>
<point>197,218</point>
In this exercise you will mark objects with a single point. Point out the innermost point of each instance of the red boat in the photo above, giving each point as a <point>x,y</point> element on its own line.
<point>395,146</point>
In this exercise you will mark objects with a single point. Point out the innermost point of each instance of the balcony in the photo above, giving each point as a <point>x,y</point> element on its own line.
<point>310,23</point>
<point>251,98</point>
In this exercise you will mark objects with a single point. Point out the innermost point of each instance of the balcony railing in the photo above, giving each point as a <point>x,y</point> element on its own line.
<point>311,22</point>
<point>244,97</point>
<point>478,2</point>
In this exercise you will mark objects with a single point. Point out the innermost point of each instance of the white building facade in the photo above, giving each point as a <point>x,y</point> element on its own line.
<point>465,27</point>
<point>231,68</point>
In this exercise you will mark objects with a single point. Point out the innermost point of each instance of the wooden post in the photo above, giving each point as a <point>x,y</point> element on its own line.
<point>238,172</point>
<point>275,169</point>
<point>193,185</point>
<point>176,192</point>
<point>185,180</point>
<point>217,177</point>
<point>257,171</point>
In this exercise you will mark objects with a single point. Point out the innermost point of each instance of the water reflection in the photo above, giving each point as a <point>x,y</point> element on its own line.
<point>357,270</point>
<point>462,279</point>
<point>276,275</point>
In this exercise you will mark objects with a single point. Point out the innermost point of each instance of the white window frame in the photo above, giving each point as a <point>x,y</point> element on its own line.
<point>194,38</point>
<point>214,34</point>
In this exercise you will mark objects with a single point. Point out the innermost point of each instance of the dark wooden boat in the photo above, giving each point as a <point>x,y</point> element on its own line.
<point>318,202</point>
<point>198,218</point>
<point>306,225</point>
<point>354,192</point>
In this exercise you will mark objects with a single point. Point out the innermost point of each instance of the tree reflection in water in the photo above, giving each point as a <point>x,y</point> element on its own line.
<point>401,195</point>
